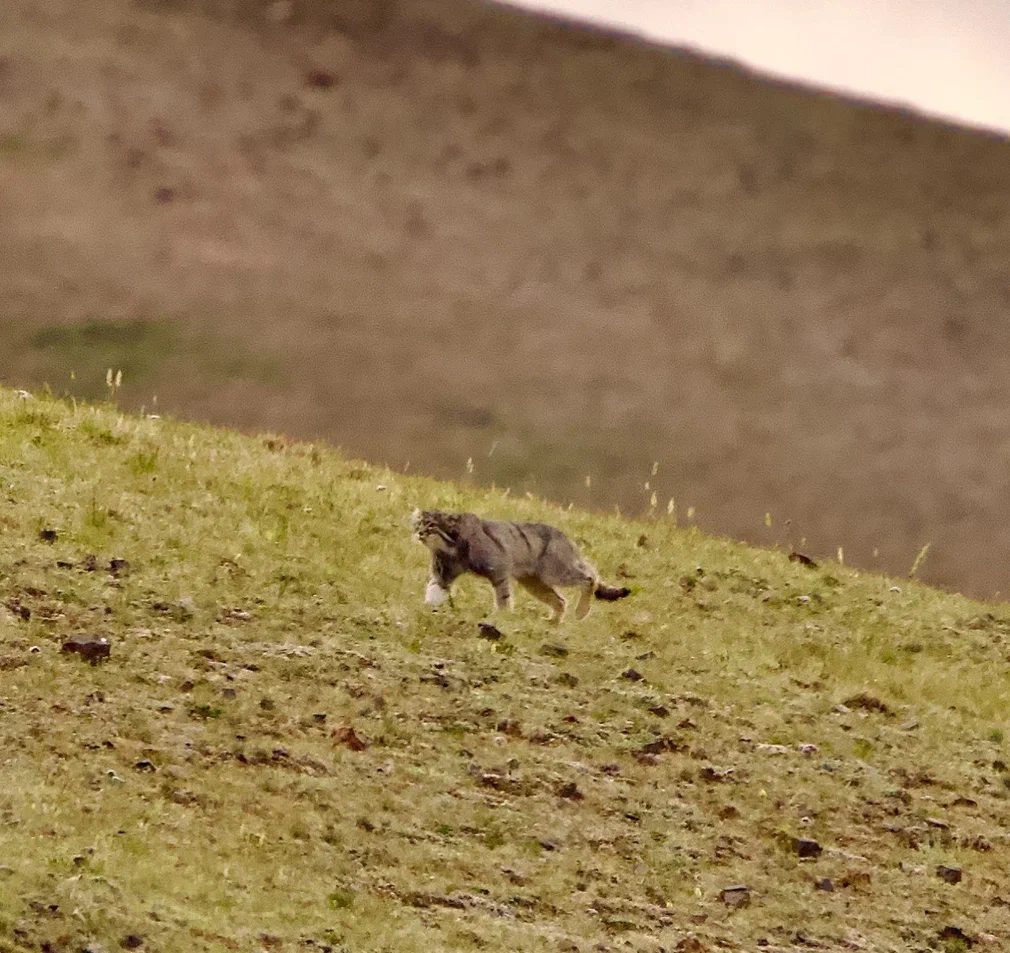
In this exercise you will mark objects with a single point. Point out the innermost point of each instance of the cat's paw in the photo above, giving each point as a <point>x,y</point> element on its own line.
<point>435,595</point>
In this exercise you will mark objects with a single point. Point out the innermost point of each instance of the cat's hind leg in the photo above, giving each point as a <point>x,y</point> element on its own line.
<point>546,594</point>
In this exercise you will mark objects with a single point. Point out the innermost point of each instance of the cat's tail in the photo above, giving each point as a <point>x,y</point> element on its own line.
<point>610,593</point>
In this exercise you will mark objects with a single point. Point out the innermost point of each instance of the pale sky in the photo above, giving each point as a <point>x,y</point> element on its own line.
<point>946,57</point>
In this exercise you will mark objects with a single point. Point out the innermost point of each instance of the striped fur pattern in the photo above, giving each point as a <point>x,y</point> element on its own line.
<point>540,558</point>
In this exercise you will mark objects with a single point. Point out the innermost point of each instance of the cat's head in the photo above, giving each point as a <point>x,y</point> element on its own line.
<point>438,531</point>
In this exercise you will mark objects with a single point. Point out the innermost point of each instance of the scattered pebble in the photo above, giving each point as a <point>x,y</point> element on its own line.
<point>951,875</point>
<point>805,848</point>
<point>346,736</point>
<point>772,749</point>
<point>554,651</point>
<point>738,896</point>
<point>90,648</point>
<point>802,559</point>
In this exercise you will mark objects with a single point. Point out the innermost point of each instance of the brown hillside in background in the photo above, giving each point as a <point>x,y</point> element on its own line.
<point>429,231</point>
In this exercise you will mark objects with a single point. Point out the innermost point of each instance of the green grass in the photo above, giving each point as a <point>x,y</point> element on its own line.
<point>146,350</point>
<point>198,790</point>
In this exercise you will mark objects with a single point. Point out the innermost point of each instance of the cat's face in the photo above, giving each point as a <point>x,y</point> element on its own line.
<point>438,531</point>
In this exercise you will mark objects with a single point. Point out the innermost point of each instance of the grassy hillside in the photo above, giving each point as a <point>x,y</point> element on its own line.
<point>287,751</point>
<point>439,230</point>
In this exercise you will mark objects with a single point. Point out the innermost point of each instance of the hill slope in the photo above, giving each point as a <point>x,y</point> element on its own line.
<point>286,750</point>
<point>436,230</point>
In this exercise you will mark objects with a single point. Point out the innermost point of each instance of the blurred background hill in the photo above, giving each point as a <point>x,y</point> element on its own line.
<point>437,231</point>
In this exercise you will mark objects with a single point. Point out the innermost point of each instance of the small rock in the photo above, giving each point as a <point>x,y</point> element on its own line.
<point>567,679</point>
<point>48,535</point>
<point>145,765</point>
<point>131,942</point>
<point>824,884</point>
<point>951,875</point>
<point>803,560</point>
<point>660,711</point>
<point>809,749</point>
<point>489,632</point>
<point>554,651</point>
<point>632,675</point>
<point>806,848</point>
<point>184,609</point>
<point>772,749</point>
<point>856,879</point>
<point>956,933</point>
<point>715,775</point>
<point>570,792</point>
<point>346,736</point>
<point>92,649</point>
<point>691,944</point>
<point>661,745</point>
<point>22,612</point>
<point>90,563</point>
<point>118,566</point>
<point>738,896</point>
<point>867,702</point>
